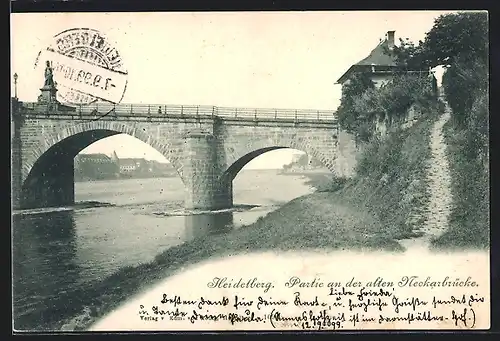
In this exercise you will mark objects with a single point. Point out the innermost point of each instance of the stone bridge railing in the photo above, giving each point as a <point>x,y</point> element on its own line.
<point>180,111</point>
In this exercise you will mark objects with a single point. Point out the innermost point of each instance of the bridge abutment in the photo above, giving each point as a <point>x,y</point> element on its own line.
<point>53,188</point>
<point>16,162</point>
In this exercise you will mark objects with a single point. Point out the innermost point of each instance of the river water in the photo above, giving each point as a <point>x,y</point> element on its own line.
<point>57,250</point>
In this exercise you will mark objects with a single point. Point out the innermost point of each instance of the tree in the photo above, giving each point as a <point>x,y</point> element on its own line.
<point>462,34</point>
<point>287,167</point>
<point>459,40</point>
<point>408,55</point>
<point>349,118</point>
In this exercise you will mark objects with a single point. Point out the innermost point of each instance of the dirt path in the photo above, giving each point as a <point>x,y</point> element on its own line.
<point>439,181</point>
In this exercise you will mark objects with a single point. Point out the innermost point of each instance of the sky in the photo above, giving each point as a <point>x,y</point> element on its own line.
<point>237,59</point>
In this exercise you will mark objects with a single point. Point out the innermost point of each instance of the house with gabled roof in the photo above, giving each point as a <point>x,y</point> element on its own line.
<point>380,64</point>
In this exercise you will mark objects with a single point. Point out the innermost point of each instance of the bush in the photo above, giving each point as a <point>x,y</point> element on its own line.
<point>390,102</point>
<point>348,117</point>
<point>336,184</point>
<point>477,126</point>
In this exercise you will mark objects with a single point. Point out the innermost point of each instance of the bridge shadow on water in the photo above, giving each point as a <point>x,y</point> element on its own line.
<point>51,283</point>
<point>44,267</point>
<point>201,225</point>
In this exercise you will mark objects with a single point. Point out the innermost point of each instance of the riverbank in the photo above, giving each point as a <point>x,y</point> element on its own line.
<point>111,178</point>
<point>328,224</point>
<point>321,180</point>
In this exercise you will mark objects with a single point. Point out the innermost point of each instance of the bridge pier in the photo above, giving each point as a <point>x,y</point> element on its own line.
<point>203,191</point>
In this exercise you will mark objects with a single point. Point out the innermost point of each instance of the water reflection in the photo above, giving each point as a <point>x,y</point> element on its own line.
<point>44,247</point>
<point>200,225</point>
<point>51,258</point>
<point>56,265</point>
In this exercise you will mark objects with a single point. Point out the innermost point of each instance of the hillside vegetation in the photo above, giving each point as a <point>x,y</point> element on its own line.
<point>390,183</point>
<point>389,170</point>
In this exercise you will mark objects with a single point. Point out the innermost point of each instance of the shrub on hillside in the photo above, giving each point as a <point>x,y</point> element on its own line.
<point>380,157</point>
<point>478,127</point>
<point>468,143</point>
<point>390,102</point>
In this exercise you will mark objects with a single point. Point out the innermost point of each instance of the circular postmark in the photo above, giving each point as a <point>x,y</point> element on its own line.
<point>83,66</point>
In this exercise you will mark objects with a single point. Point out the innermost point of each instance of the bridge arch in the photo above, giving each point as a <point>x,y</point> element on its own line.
<point>238,156</point>
<point>242,151</point>
<point>48,171</point>
<point>79,136</point>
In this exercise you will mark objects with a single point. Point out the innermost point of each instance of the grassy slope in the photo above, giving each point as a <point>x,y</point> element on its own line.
<point>391,179</point>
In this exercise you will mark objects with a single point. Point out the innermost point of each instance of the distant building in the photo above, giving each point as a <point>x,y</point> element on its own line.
<point>114,157</point>
<point>380,64</point>
<point>133,165</point>
<point>138,167</point>
<point>101,166</point>
<point>161,168</point>
<point>95,167</point>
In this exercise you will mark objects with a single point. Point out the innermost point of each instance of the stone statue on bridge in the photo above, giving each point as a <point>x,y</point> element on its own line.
<point>49,78</point>
<point>49,90</point>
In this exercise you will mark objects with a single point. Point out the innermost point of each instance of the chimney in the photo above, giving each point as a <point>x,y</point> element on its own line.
<point>390,39</point>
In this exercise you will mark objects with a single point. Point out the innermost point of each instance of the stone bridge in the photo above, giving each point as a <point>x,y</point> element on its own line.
<point>207,146</point>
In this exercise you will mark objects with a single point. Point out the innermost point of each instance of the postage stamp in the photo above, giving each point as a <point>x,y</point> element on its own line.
<point>86,65</point>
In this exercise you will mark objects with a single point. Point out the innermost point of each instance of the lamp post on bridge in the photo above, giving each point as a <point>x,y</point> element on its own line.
<point>15,85</point>
<point>15,100</point>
